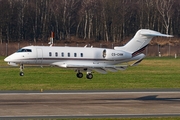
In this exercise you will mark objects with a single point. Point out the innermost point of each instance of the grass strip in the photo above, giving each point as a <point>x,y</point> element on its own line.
<point>151,73</point>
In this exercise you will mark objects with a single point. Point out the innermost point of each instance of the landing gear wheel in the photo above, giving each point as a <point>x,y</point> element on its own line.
<point>89,76</point>
<point>79,75</point>
<point>21,73</point>
<point>21,70</point>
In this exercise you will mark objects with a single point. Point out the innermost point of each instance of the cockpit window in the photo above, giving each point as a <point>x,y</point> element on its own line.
<point>24,50</point>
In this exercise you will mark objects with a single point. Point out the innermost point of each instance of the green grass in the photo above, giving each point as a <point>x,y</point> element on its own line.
<point>151,73</point>
<point>2,63</point>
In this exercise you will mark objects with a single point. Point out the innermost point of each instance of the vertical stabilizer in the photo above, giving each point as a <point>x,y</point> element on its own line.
<point>140,40</point>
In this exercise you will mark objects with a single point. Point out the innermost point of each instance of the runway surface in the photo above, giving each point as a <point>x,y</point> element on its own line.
<point>93,104</point>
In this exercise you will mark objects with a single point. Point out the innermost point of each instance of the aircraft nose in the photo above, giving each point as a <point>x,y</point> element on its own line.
<point>7,59</point>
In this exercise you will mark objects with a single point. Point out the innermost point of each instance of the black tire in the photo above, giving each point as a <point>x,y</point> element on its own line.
<point>21,74</point>
<point>79,75</point>
<point>89,76</point>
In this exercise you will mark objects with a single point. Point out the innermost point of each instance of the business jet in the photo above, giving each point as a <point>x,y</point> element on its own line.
<point>86,59</point>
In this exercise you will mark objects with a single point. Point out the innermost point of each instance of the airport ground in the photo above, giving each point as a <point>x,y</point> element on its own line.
<point>150,89</point>
<point>90,104</point>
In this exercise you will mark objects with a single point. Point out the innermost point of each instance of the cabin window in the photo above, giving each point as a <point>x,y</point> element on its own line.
<point>50,54</point>
<point>75,54</point>
<point>81,54</point>
<point>68,54</point>
<point>56,54</point>
<point>62,54</point>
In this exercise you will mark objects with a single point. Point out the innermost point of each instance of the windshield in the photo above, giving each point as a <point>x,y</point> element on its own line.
<point>24,50</point>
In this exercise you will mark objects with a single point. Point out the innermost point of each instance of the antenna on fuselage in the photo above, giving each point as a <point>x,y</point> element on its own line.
<point>51,39</point>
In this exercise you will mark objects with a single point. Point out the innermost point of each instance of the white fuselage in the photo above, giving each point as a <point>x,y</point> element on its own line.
<point>86,58</point>
<point>46,55</point>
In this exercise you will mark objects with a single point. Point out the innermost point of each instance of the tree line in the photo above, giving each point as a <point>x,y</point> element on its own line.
<point>108,20</point>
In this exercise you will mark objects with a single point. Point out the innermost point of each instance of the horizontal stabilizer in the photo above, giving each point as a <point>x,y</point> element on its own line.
<point>153,33</point>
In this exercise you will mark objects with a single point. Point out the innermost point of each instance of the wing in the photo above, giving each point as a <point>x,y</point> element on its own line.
<point>96,67</point>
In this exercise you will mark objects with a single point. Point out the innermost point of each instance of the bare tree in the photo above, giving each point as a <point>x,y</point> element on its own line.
<point>35,21</point>
<point>89,19</point>
<point>165,9</point>
<point>151,13</point>
<point>87,12</point>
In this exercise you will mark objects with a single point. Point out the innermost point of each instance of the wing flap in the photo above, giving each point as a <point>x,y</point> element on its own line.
<point>111,69</point>
<point>100,70</point>
<point>123,67</point>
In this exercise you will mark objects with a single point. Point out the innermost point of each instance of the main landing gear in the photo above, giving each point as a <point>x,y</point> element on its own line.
<point>89,75</point>
<point>21,70</point>
<point>79,74</point>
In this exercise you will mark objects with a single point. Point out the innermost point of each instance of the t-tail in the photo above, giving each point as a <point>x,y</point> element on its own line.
<point>140,41</point>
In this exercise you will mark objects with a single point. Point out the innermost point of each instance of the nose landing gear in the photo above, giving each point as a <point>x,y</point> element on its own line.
<point>21,70</point>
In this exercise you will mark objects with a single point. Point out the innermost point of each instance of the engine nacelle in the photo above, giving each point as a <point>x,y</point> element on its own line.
<point>116,54</point>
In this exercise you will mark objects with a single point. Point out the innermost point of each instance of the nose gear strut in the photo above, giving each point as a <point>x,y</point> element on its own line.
<point>21,70</point>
